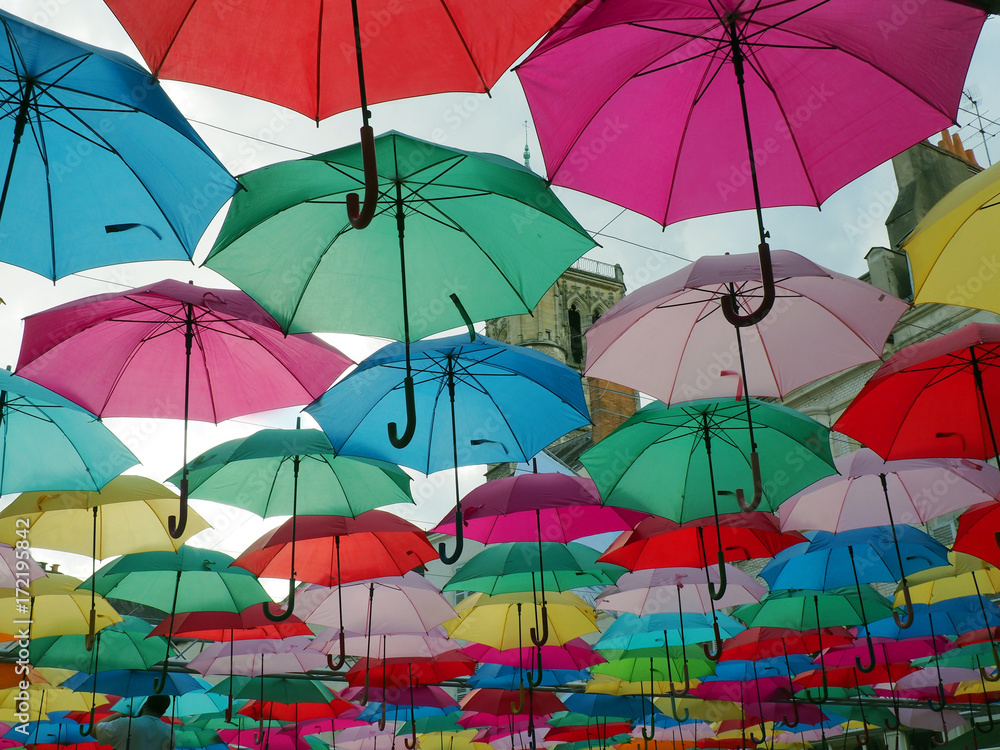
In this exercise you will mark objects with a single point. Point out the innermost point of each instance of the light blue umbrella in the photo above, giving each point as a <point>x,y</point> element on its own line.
<point>49,443</point>
<point>631,632</point>
<point>100,167</point>
<point>473,402</point>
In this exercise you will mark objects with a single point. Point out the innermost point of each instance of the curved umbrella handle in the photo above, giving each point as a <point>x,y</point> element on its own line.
<point>673,710</point>
<point>381,719</point>
<point>518,707</point>
<point>906,622</point>
<point>758,487</point>
<point>401,441</point>
<point>717,654</point>
<point>687,683</point>
<point>88,641</point>
<point>717,594</point>
<point>459,539</point>
<point>892,724</point>
<point>465,316</point>
<point>411,744</point>
<point>763,736</point>
<point>868,737</point>
<point>795,711</point>
<point>90,727</point>
<point>996,662</point>
<point>985,728</point>
<point>360,215</point>
<point>177,524</point>
<point>939,742</point>
<point>161,682</point>
<point>728,303</point>
<point>545,630</point>
<point>534,681</point>
<point>335,665</point>
<point>259,736</point>
<point>825,690</point>
<point>871,658</point>
<point>937,706</point>
<point>647,736</point>
<point>282,616</point>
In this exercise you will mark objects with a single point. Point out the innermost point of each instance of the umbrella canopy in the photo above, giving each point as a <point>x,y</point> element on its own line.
<point>54,606</point>
<point>812,79</point>
<point>256,657</point>
<point>947,250</point>
<point>15,565</point>
<point>574,654</point>
<point>124,645</point>
<point>976,535</point>
<point>505,621</point>
<point>802,609</point>
<point>129,514</point>
<point>471,221</point>
<point>657,458</point>
<point>52,443</point>
<point>935,398</point>
<point>130,682</point>
<point>132,181</point>
<point>680,312</point>
<point>765,642</point>
<point>639,635</point>
<point>251,623</point>
<point>916,490</point>
<point>500,391</point>
<point>668,589</point>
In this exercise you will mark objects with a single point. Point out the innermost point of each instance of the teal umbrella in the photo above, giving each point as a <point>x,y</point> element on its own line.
<point>457,237</point>
<point>292,472</point>
<point>689,461</point>
<point>154,579</point>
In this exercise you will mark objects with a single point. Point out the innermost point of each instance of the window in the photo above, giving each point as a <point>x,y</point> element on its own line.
<point>575,335</point>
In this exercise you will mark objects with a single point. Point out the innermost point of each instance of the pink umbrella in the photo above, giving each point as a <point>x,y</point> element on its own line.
<point>270,739</point>
<point>174,350</point>
<point>657,590</point>
<point>258,657</point>
<point>662,87</point>
<point>928,677</point>
<point>925,718</point>
<point>574,654</point>
<point>391,646</point>
<point>11,562</point>
<point>424,695</point>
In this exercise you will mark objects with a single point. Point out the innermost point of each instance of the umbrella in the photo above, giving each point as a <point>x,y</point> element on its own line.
<point>257,657</point>
<point>931,399</point>
<point>17,565</point>
<point>947,250</point>
<point>764,642</point>
<point>264,473</point>
<point>660,589</point>
<point>604,75</point>
<point>501,622</point>
<point>129,514</point>
<point>154,578</point>
<point>495,396</point>
<point>53,606</point>
<point>52,443</point>
<point>124,646</point>
<point>101,168</point>
<point>224,626</point>
<point>117,354</point>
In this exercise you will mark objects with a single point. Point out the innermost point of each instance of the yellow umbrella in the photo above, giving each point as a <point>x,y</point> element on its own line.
<point>711,711</point>
<point>607,685</point>
<point>129,514</point>
<point>43,701</point>
<point>953,250</point>
<point>505,620</point>
<point>55,607</point>
<point>958,563</point>
<point>974,583</point>
<point>451,741</point>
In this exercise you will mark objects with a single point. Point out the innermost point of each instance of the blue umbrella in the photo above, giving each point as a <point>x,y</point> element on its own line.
<point>49,443</point>
<point>475,402</point>
<point>631,632</point>
<point>773,667</point>
<point>511,678</point>
<point>192,703</point>
<point>613,706</point>
<point>49,732</point>
<point>100,167</point>
<point>130,683</point>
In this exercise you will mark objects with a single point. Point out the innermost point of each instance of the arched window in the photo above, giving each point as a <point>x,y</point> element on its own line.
<point>575,335</point>
<point>598,312</point>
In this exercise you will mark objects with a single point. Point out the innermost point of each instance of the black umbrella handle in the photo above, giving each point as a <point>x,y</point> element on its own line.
<point>280,616</point>
<point>534,681</point>
<point>177,524</point>
<point>360,214</point>
<point>459,540</point>
<point>401,441</point>
<point>758,487</point>
<point>871,658</point>
<point>907,621</point>
<point>341,658</point>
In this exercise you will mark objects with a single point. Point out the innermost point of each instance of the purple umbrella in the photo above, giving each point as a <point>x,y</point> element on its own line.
<point>174,350</point>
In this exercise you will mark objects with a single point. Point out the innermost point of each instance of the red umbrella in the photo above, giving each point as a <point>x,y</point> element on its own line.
<point>762,643</point>
<point>424,695</point>
<point>661,543</point>
<point>498,702</point>
<point>174,350</point>
<point>403,672</point>
<point>295,711</point>
<point>852,677</point>
<point>250,624</point>
<point>597,731</point>
<point>934,399</point>
<point>979,532</point>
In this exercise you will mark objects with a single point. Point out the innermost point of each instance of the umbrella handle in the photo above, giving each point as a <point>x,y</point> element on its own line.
<point>906,622</point>
<point>161,682</point>
<point>545,629</point>
<point>532,680</point>
<point>687,684</point>
<point>381,719</point>
<point>459,533</point>
<point>88,642</point>
<point>893,724</point>
<point>868,737</point>
<point>673,709</point>
<point>411,417</point>
<point>996,661</point>
<point>937,706</point>
<point>465,316</point>
<point>871,658</point>
<point>411,744</point>
<point>795,711</point>
<point>360,215</point>
<point>280,616</point>
<point>754,740</point>
<point>728,303</point>
<point>826,690</point>
<point>229,709</point>
<point>518,707</point>
<point>647,736</point>
<point>90,728</point>
<point>984,728</point>
<point>717,654</point>
<point>714,593</point>
<point>335,665</point>
<point>758,487</point>
<point>176,524</point>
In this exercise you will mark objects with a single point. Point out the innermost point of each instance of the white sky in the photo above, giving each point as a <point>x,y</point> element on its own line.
<point>838,236</point>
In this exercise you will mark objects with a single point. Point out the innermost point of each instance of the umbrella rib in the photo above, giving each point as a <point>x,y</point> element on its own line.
<point>465,45</point>
<point>687,340</point>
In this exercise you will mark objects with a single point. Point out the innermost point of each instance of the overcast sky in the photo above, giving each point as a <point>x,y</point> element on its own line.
<point>246,134</point>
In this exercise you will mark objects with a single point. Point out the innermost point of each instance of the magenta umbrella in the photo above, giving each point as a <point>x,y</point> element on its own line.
<point>641,102</point>
<point>574,654</point>
<point>887,651</point>
<point>174,350</point>
<point>422,695</point>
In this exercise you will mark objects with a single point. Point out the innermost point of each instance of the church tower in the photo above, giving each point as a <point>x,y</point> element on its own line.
<point>556,327</point>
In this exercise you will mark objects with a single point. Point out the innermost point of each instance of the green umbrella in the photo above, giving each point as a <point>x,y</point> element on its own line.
<point>275,689</point>
<point>194,737</point>
<point>154,578</point>
<point>484,237</point>
<point>514,566</point>
<point>654,668</point>
<point>687,461</point>
<point>123,645</point>
<point>288,472</point>
<point>425,724</point>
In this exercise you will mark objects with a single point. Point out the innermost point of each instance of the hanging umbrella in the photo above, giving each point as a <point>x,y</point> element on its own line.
<point>504,621</point>
<point>947,250</point>
<point>225,626</point>
<point>603,77</point>
<point>129,514</point>
<point>15,566</point>
<point>931,399</point>
<point>764,642</point>
<point>495,396</point>
<point>265,472</point>
<point>664,589</point>
<point>154,578</point>
<point>54,606</point>
<point>52,443</point>
<point>101,168</point>
<point>117,354</point>
<point>574,654</point>
<point>256,657</point>
<point>124,645</point>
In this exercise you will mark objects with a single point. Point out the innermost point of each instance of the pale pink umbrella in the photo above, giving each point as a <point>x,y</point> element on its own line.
<point>925,718</point>
<point>657,590</point>
<point>390,646</point>
<point>928,677</point>
<point>11,562</point>
<point>422,695</point>
<point>258,657</point>
<point>914,491</point>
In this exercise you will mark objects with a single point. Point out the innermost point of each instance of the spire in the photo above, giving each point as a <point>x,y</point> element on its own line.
<point>527,152</point>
